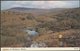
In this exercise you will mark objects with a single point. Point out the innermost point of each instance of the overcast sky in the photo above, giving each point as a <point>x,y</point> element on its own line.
<point>39,4</point>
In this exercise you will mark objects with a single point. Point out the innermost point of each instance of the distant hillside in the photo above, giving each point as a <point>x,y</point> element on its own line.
<point>34,10</point>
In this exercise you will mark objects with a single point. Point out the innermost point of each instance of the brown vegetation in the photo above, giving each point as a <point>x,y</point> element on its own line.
<point>49,26</point>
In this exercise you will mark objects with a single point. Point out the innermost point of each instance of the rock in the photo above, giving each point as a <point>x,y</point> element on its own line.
<point>41,44</point>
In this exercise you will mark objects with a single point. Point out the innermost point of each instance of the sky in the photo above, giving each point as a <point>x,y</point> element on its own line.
<point>39,4</point>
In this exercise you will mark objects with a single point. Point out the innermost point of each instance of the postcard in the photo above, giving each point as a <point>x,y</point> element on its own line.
<point>40,24</point>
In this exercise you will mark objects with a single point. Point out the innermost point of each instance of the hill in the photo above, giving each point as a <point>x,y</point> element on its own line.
<point>36,11</point>
<point>49,25</point>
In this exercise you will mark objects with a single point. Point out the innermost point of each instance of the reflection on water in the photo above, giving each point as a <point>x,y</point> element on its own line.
<point>31,32</point>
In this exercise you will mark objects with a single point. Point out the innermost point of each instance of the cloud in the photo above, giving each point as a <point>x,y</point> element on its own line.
<point>39,4</point>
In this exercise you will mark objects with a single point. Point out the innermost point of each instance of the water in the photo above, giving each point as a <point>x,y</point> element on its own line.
<point>31,32</point>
